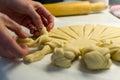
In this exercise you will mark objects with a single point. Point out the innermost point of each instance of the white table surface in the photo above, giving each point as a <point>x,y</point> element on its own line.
<point>43,70</point>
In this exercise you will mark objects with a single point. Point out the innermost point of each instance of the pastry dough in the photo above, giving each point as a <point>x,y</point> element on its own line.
<point>96,57</point>
<point>64,56</point>
<point>96,44</point>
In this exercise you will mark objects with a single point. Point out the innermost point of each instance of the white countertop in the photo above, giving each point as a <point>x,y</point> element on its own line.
<point>43,70</point>
<point>104,17</point>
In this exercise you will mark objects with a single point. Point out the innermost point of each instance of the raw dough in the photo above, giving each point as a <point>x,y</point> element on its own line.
<point>96,44</point>
<point>96,57</point>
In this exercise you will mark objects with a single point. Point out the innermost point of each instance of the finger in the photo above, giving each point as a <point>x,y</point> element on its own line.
<point>43,11</point>
<point>12,25</point>
<point>50,26</point>
<point>35,17</point>
<point>10,44</point>
<point>32,31</point>
<point>32,28</point>
<point>24,46</point>
<point>6,54</point>
<point>28,24</point>
<point>45,22</point>
<point>26,21</point>
<point>20,51</point>
<point>14,38</point>
<point>37,33</point>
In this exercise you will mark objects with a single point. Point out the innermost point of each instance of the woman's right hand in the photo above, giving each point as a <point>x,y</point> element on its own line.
<point>28,13</point>
<point>8,45</point>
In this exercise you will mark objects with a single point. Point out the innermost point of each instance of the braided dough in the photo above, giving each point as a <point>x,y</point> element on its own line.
<point>96,44</point>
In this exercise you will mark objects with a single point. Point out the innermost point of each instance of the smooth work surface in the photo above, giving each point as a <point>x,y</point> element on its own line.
<point>43,70</point>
